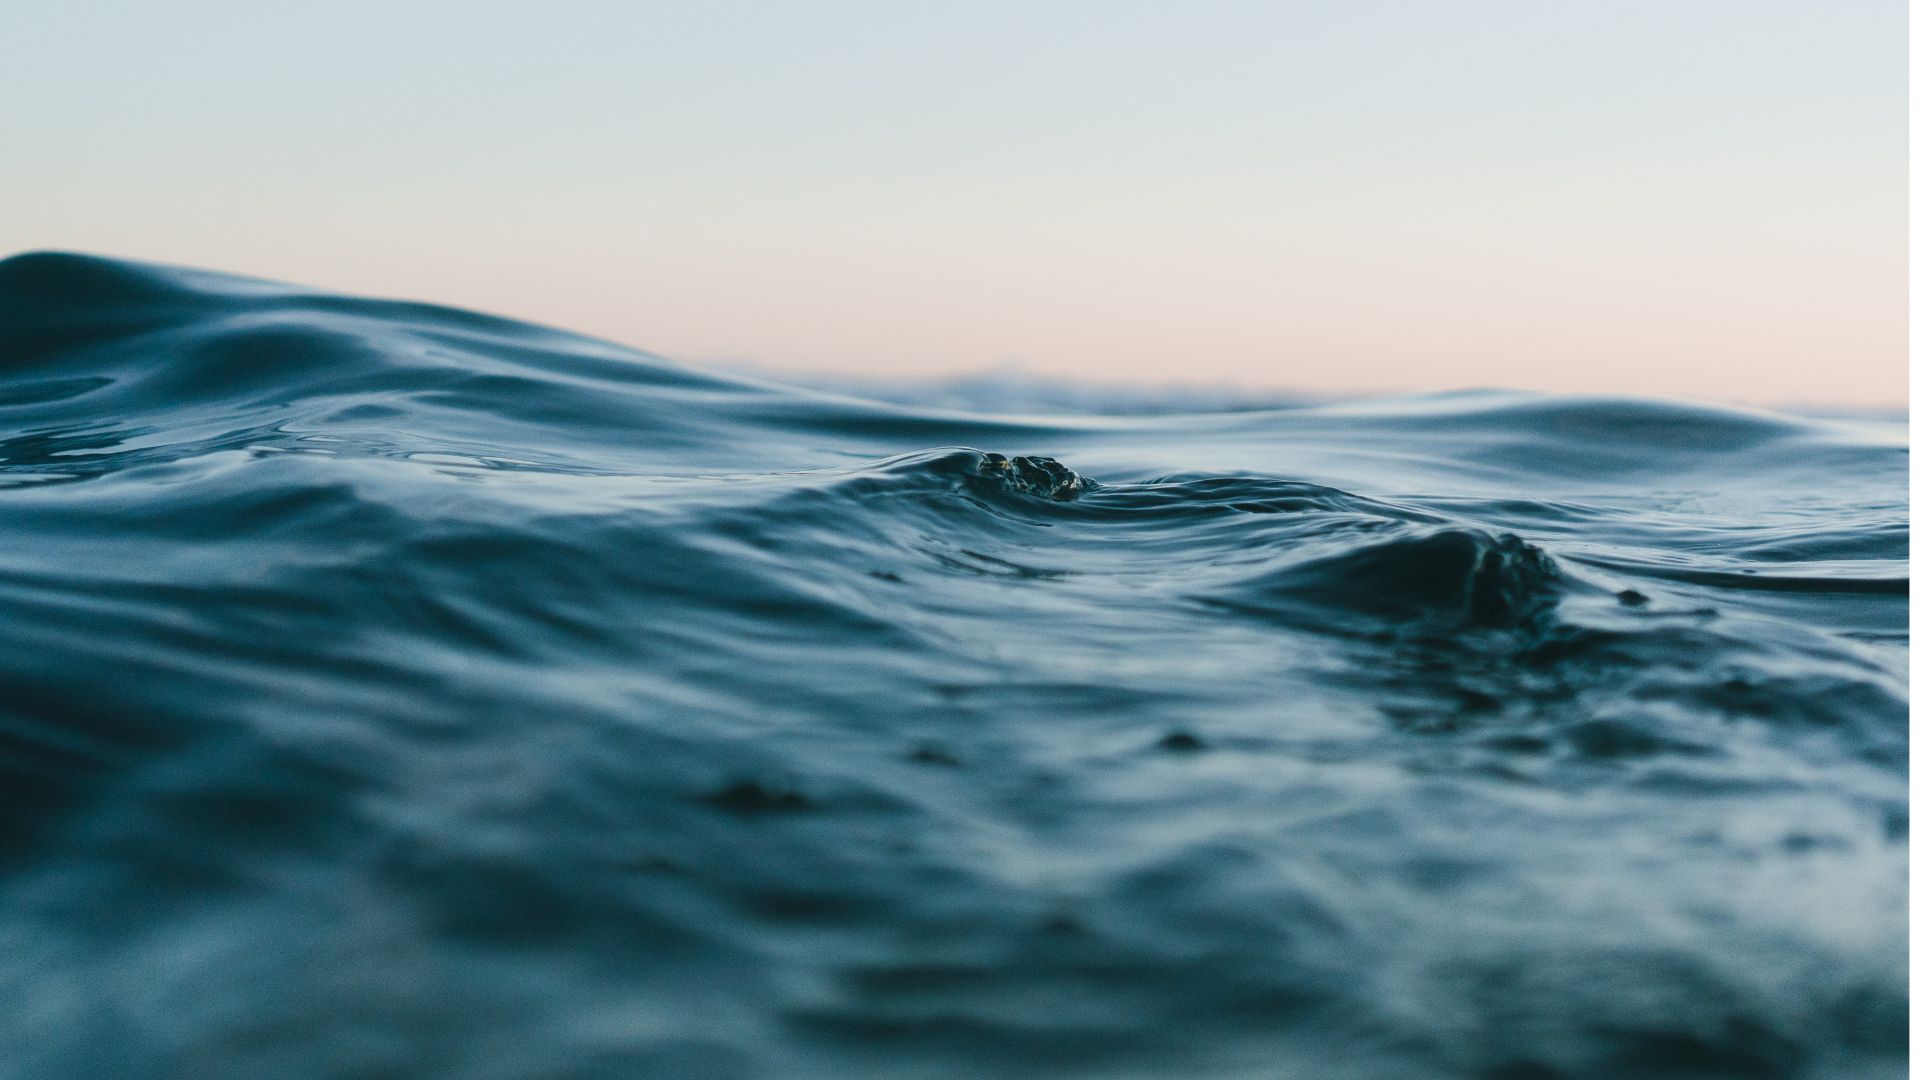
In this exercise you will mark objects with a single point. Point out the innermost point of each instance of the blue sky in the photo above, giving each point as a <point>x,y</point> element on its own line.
<point>1697,198</point>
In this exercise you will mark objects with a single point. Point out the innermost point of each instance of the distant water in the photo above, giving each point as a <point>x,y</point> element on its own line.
<point>391,691</point>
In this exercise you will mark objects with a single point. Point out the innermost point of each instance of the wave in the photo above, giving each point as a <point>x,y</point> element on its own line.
<point>389,689</point>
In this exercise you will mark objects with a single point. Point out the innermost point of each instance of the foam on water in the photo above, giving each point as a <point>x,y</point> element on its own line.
<point>391,690</point>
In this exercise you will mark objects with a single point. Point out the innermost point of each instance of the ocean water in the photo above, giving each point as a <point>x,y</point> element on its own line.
<point>393,691</point>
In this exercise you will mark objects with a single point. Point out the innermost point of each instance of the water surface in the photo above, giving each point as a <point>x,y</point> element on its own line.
<point>387,690</point>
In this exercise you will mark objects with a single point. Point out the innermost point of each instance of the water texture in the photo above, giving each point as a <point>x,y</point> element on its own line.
<point>393,691</point>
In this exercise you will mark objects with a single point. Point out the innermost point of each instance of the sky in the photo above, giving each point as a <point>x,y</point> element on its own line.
<point>1690,198</point>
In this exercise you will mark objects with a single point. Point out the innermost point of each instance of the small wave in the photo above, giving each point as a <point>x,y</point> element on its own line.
<point>1457,578</point>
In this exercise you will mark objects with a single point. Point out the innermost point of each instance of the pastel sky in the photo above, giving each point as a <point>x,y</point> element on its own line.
<point>1700,198</point>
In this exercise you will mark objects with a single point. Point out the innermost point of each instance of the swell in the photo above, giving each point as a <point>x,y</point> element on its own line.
<point>106,351</point>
